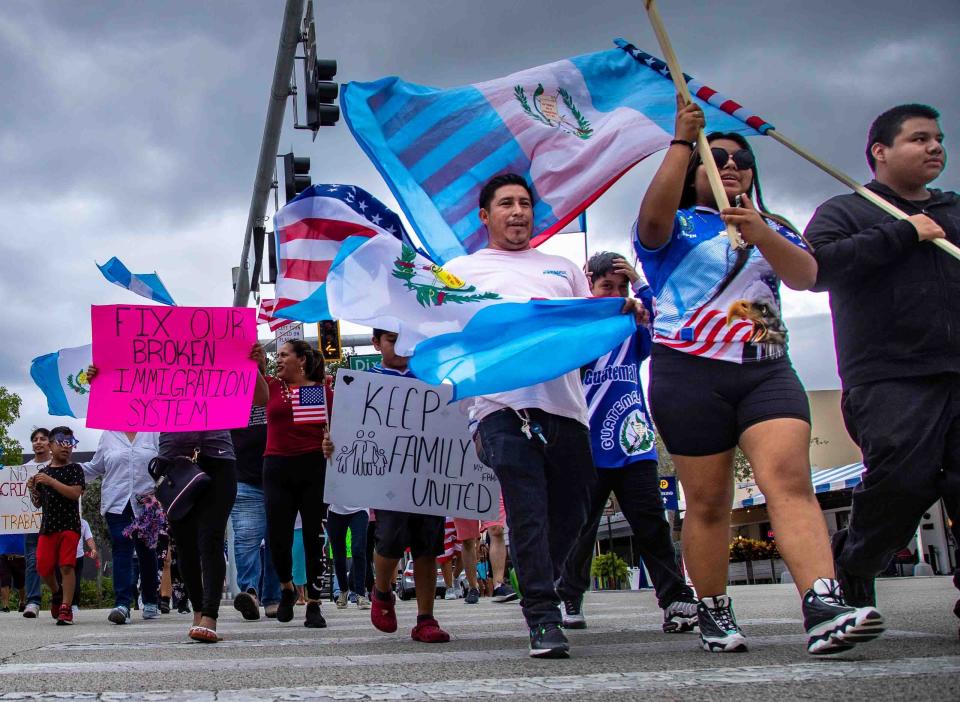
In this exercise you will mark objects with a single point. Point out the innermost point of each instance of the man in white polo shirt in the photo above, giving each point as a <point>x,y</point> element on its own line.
<point>534,438</point>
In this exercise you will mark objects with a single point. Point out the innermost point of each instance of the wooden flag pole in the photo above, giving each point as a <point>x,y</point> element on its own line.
<point>703,148</point>
<point>887,207</point>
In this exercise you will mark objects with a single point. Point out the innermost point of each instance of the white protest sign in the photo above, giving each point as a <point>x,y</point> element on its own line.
<point>289,332</point>
<point>17,513</point>
<point>400,445</point>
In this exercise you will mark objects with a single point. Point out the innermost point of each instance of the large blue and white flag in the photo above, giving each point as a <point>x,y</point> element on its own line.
<point>146,285</point>
<point>62,376</point>
<point>478,341</point>
<point>572,128</point>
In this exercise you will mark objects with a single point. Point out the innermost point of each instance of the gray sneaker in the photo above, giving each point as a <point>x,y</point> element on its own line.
<point>151,611</point>
<point>362,602</point>
<point>473,596</point>
<point>343,599</point>
<point>119,615</point>
<point>31,610</point>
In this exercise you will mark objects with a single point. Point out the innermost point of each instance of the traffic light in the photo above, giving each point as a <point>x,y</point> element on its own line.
<point>318,75</point>
<point>329,340</point>
<point>296,174</point>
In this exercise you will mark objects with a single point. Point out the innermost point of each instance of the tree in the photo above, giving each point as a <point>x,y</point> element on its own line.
<point>665,464</point>
<point>742,470</point>
<point>11,452</point>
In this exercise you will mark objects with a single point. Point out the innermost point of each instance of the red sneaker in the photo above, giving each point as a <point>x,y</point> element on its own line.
<point>65,617</point>
<point>383,615</point>
<point>55,601</point>
<point>429,631</point>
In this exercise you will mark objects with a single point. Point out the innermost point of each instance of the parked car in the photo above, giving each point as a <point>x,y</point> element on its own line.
<point>405,586</point>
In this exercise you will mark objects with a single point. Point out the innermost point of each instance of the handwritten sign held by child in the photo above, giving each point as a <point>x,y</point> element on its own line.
<point>171,368</point>
<point>401,446</point>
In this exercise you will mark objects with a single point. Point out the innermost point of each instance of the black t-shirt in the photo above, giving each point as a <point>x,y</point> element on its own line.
<point>60,513</point>
<point>249,445</point>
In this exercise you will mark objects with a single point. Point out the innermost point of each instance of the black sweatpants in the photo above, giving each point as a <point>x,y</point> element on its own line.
<point>637,489</point>
<point>200,536</point>
<point>909,432</point>
<point>546,489</point>
<point>293,484</point>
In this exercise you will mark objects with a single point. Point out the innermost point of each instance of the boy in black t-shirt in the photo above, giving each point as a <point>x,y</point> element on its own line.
<point>56,489</point>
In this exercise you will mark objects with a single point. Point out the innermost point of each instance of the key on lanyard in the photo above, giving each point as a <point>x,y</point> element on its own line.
<point>530,430</point>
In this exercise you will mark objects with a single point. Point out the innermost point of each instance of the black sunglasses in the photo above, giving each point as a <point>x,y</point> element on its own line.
<point>742,159</point>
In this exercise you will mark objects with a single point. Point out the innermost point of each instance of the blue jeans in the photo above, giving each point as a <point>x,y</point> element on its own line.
<point>337,525</point>
<point>254,568</point>
<point>546,491</point>
<point>31,576</point>
<point>123,571</point>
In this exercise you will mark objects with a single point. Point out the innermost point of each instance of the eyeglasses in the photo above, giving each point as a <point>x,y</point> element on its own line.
<point>65,440</point>
<point>742,159</point>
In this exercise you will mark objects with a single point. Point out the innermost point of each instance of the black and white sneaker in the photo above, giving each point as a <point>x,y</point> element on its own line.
<point>548,641</point>
<point>833,626</point>
<point>718,626</point>
<point>504,593</point>
<point>572,611</point>
<point>680,615</point>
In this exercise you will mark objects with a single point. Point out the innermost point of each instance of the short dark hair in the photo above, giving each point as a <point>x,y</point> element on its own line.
<point>886,127</point>
<point>601,263</point>
<point>39,430</point>
<point>61,430</point>
<point>377,333</point>
<point>497,182</point>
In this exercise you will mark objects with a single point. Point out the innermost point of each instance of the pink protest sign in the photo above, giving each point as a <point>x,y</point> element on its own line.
<point>171,368</point>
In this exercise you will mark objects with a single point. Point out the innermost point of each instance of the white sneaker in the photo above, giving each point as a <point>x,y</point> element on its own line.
<point>76,611</point>
<point>451,594</point>
<point>362,602</point>
<point>31,611</point>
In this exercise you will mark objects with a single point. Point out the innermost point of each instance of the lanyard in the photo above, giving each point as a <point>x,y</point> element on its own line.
<point>528,428</point>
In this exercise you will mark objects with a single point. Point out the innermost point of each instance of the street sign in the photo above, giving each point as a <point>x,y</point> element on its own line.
<point>364,362</point>
<point>289,332</point>
<point>668,492</point>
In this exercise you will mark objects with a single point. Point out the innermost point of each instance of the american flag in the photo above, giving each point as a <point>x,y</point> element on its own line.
<point>265,315</point>
<point>310,230</point>
<point>309,405</point>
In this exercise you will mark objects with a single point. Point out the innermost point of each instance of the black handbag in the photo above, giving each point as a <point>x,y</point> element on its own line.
<point>179,483</point>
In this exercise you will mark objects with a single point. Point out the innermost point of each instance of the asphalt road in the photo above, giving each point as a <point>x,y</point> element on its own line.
<point>621,655</point>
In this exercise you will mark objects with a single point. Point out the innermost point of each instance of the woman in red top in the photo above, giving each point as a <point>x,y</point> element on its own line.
<point>294,468</point>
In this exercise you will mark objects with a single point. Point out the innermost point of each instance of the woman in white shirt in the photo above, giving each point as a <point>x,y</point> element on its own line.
<point>121,460</point>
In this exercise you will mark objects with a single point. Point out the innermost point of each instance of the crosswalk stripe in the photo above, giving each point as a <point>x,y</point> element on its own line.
<point>434,655</point>
<point>539,686</point>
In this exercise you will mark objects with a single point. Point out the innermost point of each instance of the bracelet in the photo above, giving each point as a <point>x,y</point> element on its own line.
<point>682,142</point>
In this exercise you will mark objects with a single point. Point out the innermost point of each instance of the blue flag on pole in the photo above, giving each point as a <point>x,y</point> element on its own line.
<point>146,285</point>
<point>571,128</point>
<point>62,376</point>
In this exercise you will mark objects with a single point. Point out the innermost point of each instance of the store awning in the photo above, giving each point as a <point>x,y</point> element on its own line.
<point>827,480</point>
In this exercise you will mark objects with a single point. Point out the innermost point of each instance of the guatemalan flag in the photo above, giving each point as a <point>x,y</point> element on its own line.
<point>62,376</point>
<point>146,285</point>
<point>309,232</point>
<point>454,331</point>
<point>572,128</point>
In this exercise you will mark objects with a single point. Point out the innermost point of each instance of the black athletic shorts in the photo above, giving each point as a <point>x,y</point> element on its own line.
<point>12,571</point>
<point>398,531</point>
<point>701,406</point>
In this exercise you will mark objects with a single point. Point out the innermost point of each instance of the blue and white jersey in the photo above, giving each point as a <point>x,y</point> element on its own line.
<point>741,322</point>
<point>377,368</point>
<point>621,431</point>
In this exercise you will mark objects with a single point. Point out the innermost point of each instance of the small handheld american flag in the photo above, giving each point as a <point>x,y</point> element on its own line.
<point>309,405</point>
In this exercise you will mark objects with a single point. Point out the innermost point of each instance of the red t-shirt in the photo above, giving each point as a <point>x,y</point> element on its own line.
<point>284,437</point>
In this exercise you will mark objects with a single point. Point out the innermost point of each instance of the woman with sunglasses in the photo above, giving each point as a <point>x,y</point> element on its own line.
<point>721,378</point>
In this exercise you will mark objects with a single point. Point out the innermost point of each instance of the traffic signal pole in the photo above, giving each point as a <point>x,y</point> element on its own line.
<point>279,92</point>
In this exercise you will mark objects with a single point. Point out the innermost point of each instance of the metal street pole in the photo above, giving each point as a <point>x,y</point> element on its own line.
<point>279,92</point>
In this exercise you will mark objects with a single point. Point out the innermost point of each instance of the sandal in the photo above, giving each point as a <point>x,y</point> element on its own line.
<point>203,634</point>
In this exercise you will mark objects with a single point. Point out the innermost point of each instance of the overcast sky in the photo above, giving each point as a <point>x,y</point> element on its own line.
<point>133,129</point>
